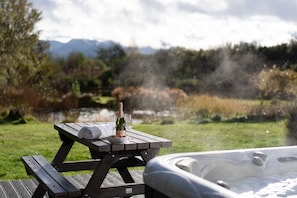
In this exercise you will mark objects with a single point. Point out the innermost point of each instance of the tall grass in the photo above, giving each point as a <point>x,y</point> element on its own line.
<point>208,106</point>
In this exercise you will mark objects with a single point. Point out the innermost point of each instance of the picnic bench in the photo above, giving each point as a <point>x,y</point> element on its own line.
<point>49,178</point>
<point>140,148</point>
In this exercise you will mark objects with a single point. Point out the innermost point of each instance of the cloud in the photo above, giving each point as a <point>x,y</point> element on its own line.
<point>187,23</point>
<point>202,6</point>
<point>276,8</point>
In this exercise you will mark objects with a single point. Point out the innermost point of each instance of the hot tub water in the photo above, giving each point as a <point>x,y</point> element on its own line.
<point>268,187</point>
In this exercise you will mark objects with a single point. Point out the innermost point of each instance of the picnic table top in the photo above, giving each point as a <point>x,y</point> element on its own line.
<point>137,140</point>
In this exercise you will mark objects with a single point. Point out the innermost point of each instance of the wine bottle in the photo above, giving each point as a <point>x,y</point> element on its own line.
<point>120,122</point>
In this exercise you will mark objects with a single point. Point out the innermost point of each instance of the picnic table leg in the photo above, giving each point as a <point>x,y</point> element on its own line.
<point>146,155</point>
<point>149,154</point>
<point>93,187</point>
<point>39,192</point>
<point>125,174</point>
<point>62,153</point>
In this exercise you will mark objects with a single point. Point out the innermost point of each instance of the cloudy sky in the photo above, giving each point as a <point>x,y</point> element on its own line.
<point>192,24</point>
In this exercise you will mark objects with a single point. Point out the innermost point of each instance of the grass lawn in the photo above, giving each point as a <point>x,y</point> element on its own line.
<point>218,136</point>
<point>42,138</point>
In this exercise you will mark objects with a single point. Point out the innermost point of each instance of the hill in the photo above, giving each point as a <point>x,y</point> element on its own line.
<point>85,46</point>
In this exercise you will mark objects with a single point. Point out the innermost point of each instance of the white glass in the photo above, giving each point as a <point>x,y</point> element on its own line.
<point>128,119</point>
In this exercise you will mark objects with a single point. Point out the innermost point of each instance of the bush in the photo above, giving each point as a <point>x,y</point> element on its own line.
<point>15,113</point>
<point>167,121</point>
<point>216,118</point>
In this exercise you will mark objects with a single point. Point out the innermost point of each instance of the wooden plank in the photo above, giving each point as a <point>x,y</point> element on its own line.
<point>151,142</point>
<point>42,177</point>
<point>72,191</point>
<point>79,165</point>
<point>30,185</point>
<point>114,147</point>
<point>97,144</point>
<point>71,130</point>
<point>150,136</point>
<point>129,145</point>
<point>49,178</point>
<point>125,190</point>
<point>141,144</point>
<point>67,130</point>
<point>138,140</point>
<point>7,191</point>
<point>164,142</point>
<point>20,188</point>
<point>80,181</point>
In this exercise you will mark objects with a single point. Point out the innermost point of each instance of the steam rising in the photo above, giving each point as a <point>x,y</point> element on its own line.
<point>150,71</point>
<point>226,72</point>
<point>234,76</point>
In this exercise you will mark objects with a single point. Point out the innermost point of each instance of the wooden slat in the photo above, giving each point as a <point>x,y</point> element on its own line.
<point>101,144</point>
<point>129,145</point>
<point>19,187</point>
<point>150,142</point>
<point>7,191</point>
<point>71,130</point>
<point>67,130</point>
<point>42,176</point>
<point>165,142</point>
<point>141,144</point>
<point>79,165</point>
<point>124,189</point>
<point>114,147</point>
<point>72,190</point>
<point>80,181</point>
<point>104,146</point>
<point>48,176</point>
<point>138,140</point>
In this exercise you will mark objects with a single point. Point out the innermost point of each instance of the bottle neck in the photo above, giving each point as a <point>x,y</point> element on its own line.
<point>121,110</point>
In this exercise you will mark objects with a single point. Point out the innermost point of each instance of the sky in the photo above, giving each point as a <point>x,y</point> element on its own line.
<point>192,24</point>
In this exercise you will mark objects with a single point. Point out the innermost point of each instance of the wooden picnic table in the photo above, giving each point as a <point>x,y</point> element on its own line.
<point>140,148</point>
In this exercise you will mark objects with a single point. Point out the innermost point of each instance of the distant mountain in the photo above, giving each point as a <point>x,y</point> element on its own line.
<point>87,47</point>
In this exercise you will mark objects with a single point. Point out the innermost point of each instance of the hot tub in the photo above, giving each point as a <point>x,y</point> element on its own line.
<point>213,174</point>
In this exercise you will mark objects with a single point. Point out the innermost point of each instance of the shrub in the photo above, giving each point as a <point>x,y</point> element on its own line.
<point>167,121</point>
<point>276,83</point>
<point>273,111</point>
<point>15,113</point>
<point>216,118</point>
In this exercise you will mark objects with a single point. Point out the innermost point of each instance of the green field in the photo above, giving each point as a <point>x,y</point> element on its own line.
<point>42,138</point>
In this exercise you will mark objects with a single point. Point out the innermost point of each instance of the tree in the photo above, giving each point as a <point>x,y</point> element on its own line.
<point>78,69</point>
<point>19,56</point>
<point>112,55</point>
<point>114,59</point>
